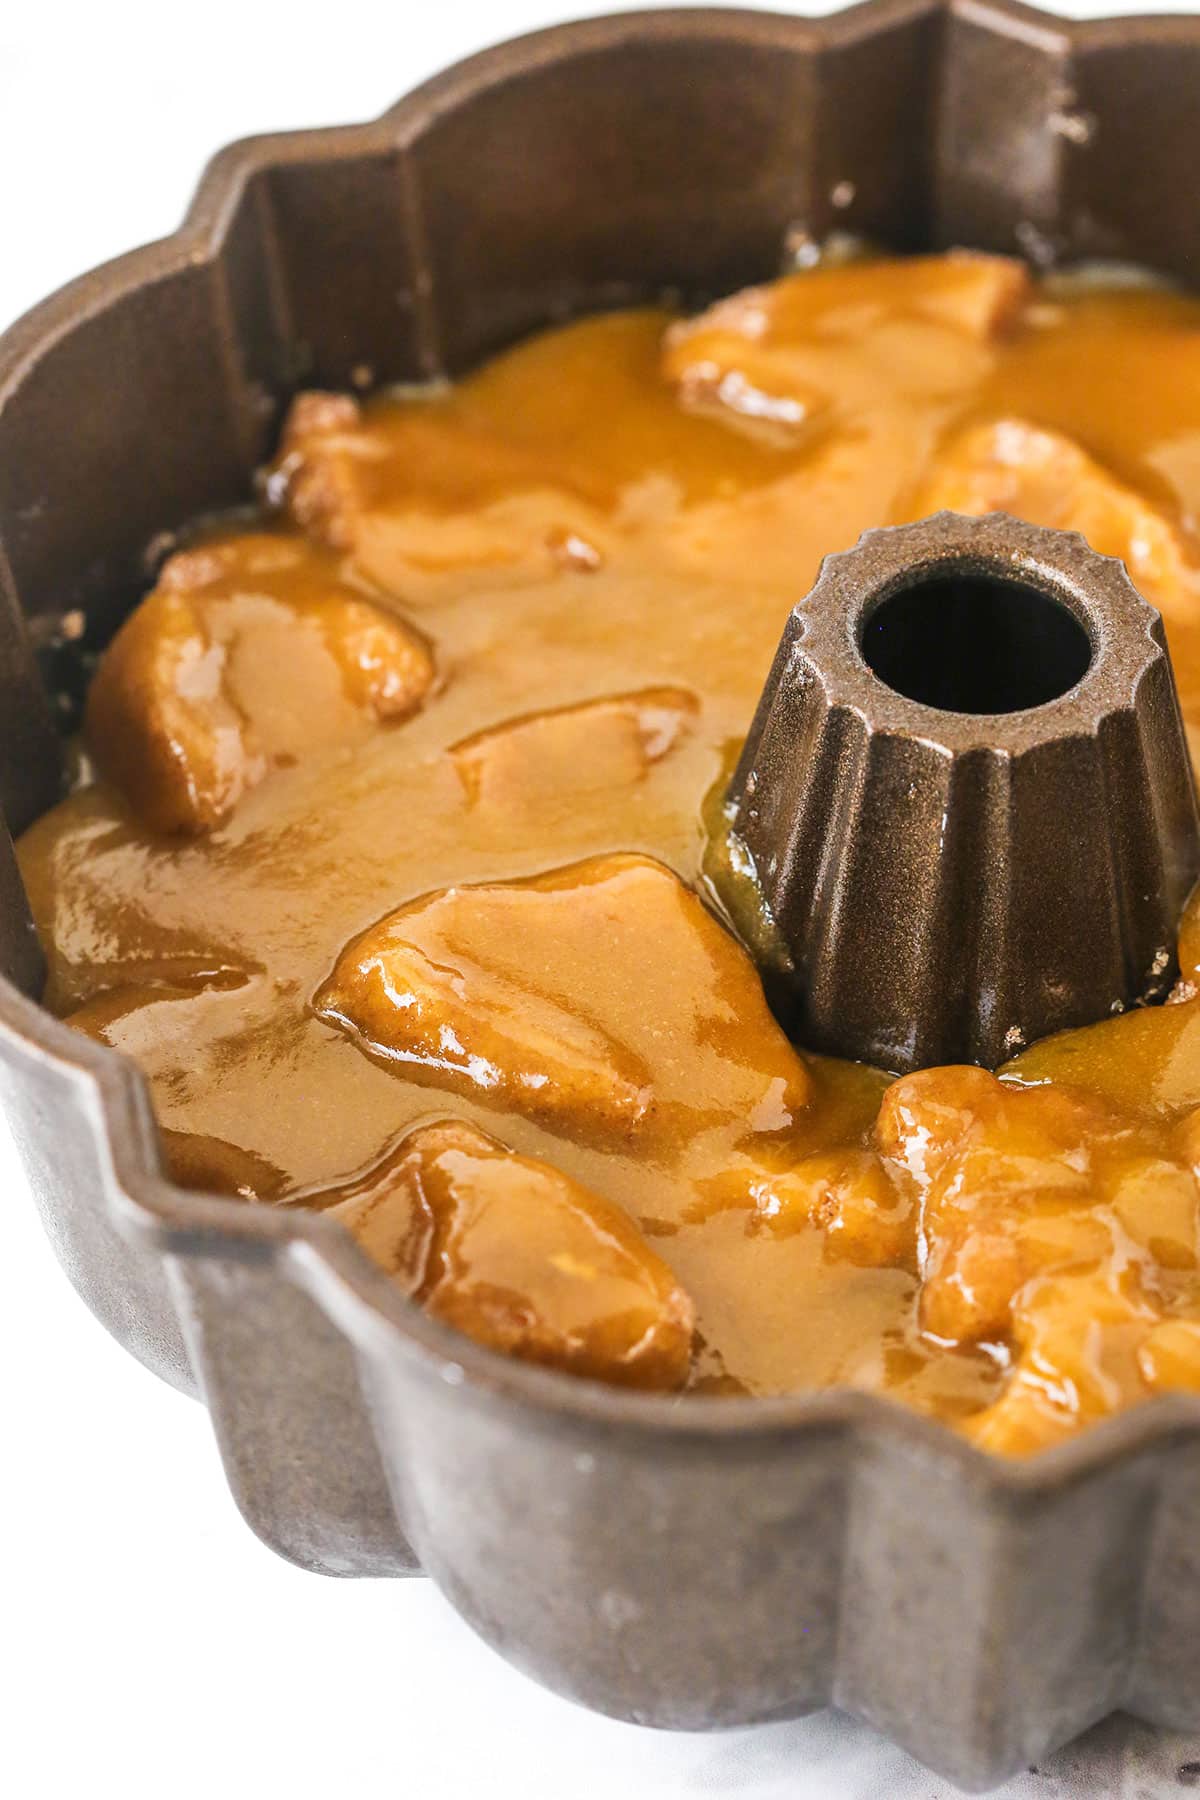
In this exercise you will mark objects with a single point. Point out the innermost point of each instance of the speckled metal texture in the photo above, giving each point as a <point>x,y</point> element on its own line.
<point>947,885</point>
<point>684,1563</point>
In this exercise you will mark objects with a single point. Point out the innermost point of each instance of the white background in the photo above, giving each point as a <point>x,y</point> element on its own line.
<point>156,1648</point>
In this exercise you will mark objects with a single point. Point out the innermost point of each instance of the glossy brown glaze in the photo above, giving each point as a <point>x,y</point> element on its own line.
<point>481,908</point>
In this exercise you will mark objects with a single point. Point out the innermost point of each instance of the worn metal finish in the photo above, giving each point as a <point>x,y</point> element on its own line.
<point>686,1563</point>
<point>946,884</point>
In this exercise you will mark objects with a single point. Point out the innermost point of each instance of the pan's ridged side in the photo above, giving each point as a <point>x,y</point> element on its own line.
<point>281,1381</point>
<point>686,1562</point>
<point>649,1577</point>
<point>1161,1681</point>
<point>993,1668</point>
<point>1002,136</point>
<point>63,1123</point>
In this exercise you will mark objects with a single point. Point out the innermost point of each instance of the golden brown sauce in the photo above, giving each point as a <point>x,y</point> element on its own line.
<point>400,823</point>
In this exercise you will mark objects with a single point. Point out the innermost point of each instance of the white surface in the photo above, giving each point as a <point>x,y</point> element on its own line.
<point>157,1649</point>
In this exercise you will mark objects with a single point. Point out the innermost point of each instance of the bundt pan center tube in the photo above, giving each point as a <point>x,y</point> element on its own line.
<point>678,1562</point>
<point>966,798</point>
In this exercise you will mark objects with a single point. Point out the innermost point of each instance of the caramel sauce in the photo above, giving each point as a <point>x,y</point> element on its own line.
<point>389,858</point>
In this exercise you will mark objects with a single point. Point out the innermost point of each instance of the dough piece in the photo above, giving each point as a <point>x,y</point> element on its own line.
<point>602,1000</point>
<point>431,494</point>
<point>866,1214</point>
<point>1012,466</point>
<point>1006,1184</point>
<point>1054,1228</point>
<point>1170,1357</point>
<point>779,355</point>
<point>523,1259</point>
<point>244,657</point>
<point>528,764</point>
<point>317,472</point>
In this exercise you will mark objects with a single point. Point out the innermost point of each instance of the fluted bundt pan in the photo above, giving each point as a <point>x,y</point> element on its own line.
<point>966,797</point>
<point>679,1562</point>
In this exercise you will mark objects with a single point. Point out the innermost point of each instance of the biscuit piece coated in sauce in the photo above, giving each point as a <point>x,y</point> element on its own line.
<point>430,494</point>
<point>801,349</point>
<point>1055,1226</point>
<point>525,765</point>
<point>867,1216</point>
<point>247,655</point>
<point>603,1000</point>
<point>1012,466</point>
<point>522,1258</point>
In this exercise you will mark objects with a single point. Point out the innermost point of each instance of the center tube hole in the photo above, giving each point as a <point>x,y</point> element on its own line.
<point>976,644</point>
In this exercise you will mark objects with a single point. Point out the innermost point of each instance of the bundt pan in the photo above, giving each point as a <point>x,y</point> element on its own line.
<point>683,1563</point>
